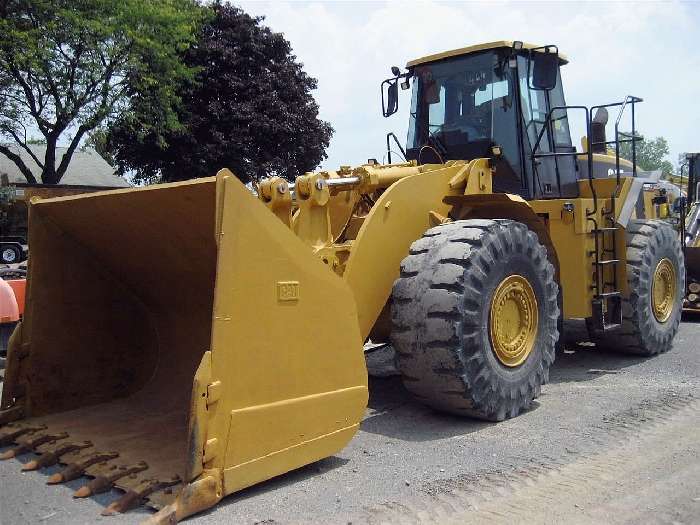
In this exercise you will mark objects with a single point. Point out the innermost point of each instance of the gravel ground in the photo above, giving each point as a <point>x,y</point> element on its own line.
<point>612,438</point>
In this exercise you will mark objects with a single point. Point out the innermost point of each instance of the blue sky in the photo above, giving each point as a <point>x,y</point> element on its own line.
<point>647,49</point>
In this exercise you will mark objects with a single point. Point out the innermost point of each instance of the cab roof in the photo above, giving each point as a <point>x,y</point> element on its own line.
<point>472,49</point>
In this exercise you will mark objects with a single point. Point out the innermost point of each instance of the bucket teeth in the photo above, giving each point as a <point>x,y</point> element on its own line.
<point>79,458</point>
<point>50,456</point>
<point>12,433</point>
<point>30,442</point>
<point>75,470</point>
<point>104,482</point>
<point>134,496</point>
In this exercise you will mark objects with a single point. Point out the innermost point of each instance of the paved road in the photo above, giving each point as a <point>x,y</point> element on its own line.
<point>612,438</point>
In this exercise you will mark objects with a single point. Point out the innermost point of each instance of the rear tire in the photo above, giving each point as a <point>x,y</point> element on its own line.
<point>442,319</point>
<point>644,331</point>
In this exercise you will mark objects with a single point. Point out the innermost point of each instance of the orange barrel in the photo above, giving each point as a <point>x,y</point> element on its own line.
<point>19,286</point>
<point>9,310</point>
<point>9,315</point>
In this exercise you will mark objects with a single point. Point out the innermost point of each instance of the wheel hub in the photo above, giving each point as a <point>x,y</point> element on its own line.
<point>663,290</point>
<point>513,320</point>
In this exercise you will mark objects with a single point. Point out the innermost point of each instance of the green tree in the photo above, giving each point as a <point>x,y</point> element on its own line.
<point>250,109</point>
<point>97,141</point>
<point>66,66</point>
<point>651,154</point>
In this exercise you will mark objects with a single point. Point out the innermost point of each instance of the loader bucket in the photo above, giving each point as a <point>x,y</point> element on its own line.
<point>179,343</point>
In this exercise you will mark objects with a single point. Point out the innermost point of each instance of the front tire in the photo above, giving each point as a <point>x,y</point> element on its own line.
<point>474,318</point>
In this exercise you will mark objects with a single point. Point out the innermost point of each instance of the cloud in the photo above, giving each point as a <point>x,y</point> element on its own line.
<point>615,49</point>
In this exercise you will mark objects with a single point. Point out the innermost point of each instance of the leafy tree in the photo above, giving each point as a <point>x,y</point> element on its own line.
<point>250,109</point>
<point>66,66</point>
<point>97,141</point>
<point>651,154</point>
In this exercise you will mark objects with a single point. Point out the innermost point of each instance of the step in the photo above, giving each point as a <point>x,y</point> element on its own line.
<point>607,261</point>
<point>605,295</point>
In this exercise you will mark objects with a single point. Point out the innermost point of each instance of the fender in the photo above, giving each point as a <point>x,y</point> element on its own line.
<point>503,206</point>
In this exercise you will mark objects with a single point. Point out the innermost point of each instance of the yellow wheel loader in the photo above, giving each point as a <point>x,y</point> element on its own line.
<point>185,341</point>
<point>690,233</point>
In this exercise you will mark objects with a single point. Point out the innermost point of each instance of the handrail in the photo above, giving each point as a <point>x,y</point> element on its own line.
<point>632,100</point>
<point>388,146</point>
<point>589,151</point>
<point>599,283</point>
<point>633,138</point>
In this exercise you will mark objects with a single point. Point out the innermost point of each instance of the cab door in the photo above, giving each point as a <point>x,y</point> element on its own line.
<point>550,177</point>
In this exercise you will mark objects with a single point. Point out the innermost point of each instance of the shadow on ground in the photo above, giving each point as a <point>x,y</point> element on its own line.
<point>280,482</point>
<point>580,360</point>
<point>584,362</point>
<point>67,489</point>
<point>104,499</point>
<point>691,316</point>
<point>394,413</point>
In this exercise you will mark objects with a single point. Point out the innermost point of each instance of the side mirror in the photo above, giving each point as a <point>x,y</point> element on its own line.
<point>545,66</point>
<point>390,101</point>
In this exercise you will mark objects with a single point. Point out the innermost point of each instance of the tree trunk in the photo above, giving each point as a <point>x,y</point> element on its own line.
<point>49,174</point>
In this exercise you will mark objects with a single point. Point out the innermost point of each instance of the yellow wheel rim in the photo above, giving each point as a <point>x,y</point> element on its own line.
<point>513,320</point>
<point>663,290</point>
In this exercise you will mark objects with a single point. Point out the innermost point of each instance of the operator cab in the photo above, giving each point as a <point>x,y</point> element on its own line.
<point>492,101</point>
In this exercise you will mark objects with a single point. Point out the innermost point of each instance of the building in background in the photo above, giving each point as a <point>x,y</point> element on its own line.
<point>87,172</point>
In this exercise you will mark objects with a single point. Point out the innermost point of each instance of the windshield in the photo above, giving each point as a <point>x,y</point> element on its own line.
<point>454,102</point>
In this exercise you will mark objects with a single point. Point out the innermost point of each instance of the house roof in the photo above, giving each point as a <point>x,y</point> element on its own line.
<point>86,168</point>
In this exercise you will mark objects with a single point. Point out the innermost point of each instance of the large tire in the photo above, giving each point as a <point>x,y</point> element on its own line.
<point>441,307</point>
<point>648,243</point>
